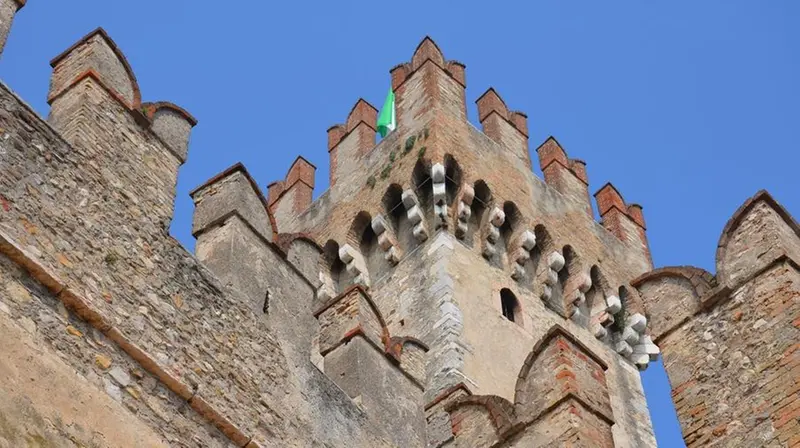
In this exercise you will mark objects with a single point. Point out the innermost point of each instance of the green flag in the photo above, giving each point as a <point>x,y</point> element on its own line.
<point>386,119</point>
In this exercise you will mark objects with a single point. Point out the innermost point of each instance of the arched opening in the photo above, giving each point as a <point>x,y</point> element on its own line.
<point>452,181</point>
<point>595,297</point>
<point>508,229</point>
<point>510,307</point>
<point>396,217</point>
<point>362,237</point>
<point>393,208</point>
<point>544,245</point>
<point>423,186</point>
<point>333,272</point>
<point>480,205</point>
<point>561,294</point>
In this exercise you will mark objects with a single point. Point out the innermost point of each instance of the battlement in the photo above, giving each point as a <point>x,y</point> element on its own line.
<point>270,337</point>
<point>291,196</point>
<point>741,324</point>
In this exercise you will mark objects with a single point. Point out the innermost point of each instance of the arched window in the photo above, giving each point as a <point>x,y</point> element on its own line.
<point>510,305</point>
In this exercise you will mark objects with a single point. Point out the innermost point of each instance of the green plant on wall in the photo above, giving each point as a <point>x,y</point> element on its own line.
<point>371,181</point>
<point>386,170</point>
<point>410,143</point>
<point>421,152</point>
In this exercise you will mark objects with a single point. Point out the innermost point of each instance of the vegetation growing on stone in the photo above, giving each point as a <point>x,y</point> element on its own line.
<point>410,143</point>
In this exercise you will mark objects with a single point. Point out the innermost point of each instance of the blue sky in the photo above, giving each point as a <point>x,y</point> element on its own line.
<point>688,107</point>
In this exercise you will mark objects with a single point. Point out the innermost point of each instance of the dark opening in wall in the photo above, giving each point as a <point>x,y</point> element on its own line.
<point>509,305</point>
<point>452,179</point>
<point>333,266</point>
<point>480,204</point>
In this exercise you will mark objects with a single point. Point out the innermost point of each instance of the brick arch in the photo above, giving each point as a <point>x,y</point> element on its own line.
<point>397,344</point>
<point>150,109</point>
<point>499,411</point>
<point>776,235</point>
<point>358,227</point>
<point>284,241</point>
<point>671,294</point>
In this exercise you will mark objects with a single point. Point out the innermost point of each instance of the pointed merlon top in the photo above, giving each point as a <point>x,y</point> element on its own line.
<point>364,112</point>
<point>136,93</point>
<point>548,140</point>
<point>301,170</point>
<point>20,4</point>
<point>427,50</point>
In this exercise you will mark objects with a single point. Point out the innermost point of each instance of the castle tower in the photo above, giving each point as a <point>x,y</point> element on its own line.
<point>438,294</point>
<point>730,340</point>
<point>444,235</point>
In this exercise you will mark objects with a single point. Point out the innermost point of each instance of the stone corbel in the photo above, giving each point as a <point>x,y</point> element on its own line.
<point>355,264</point>
<point>386,240</point>
<point>525,244</point>
<point>415,216</point>
<point>439,197</point>
<point>464,211</point>
<point>496,219</point>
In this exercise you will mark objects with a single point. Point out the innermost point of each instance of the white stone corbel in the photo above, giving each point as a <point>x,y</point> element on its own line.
<point>496,219</point>
<point>599,331</point>
<point>637,322</point>
<point>386,240</point>
<point>355,265</point>
<point>415,216</point>
<point>464,210</point>
<point>613,305</point>
<point>525,243</point>
<point>623,348</point>
<point>647,347</point>
<point>555,261</point>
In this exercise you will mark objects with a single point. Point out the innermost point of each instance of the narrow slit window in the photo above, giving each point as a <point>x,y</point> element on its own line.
<point>509,304</point>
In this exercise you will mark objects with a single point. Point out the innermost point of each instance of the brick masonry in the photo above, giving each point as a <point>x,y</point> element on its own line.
<point>370,316</point>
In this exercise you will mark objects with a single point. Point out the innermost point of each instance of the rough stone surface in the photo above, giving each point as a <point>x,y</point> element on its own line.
<point>264,337</point>
<point>730,341</point>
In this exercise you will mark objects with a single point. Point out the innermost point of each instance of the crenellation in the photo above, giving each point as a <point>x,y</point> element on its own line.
<point>290,197</point>
<point>349,142</point>
<point>626,222</point>
<point>509,129</point>
<point>568,176</point>
<point>422,320</point>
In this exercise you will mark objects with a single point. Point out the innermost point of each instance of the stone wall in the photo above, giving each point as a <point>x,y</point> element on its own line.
<point>218,363</point>
<point>730,340</point>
